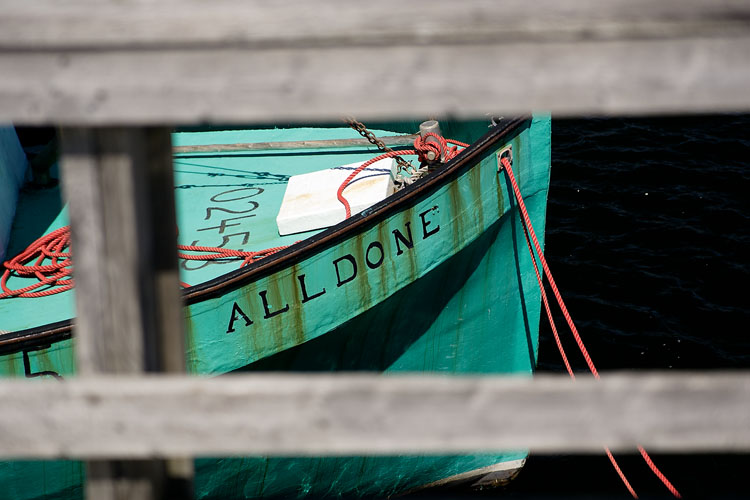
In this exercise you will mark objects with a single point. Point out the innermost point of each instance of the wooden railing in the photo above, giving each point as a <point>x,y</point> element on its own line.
<point>92,67</point>
<point>155,62</point>
<point>371,414</point>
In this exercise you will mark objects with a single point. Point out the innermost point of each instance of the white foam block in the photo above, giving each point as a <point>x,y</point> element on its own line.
<point>310,200</point>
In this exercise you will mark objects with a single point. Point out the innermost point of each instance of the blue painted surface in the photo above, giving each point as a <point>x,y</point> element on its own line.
<point>13,167</point>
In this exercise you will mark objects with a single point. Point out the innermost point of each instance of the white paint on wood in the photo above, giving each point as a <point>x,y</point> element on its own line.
<point>372,414</point>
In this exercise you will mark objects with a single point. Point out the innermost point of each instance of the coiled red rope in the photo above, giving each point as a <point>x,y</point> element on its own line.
<point>53,277</point>
<point>531,238</point>
<point>52,246</point>
<point>422,147</point>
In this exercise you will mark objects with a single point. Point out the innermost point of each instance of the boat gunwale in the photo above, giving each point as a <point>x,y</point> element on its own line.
<point>43,336</point>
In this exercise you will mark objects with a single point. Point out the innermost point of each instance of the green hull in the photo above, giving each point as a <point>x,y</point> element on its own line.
<point>438,281</point>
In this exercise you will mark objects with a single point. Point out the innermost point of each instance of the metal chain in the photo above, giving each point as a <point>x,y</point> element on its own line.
<point>364,132</point>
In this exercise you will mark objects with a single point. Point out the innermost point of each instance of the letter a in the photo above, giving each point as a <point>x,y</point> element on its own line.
<point>236,314</point>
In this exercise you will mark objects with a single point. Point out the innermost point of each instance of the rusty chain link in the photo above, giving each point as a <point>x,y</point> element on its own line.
<point>372,138</point>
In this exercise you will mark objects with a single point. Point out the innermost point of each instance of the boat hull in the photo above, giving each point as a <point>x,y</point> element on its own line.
<point>354,268</point>
<point>440,281</point>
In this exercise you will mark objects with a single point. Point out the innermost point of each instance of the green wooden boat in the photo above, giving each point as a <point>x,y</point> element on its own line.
<point>435,278</point>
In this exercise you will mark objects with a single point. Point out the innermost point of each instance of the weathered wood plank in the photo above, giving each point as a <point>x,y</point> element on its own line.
<point>47,24</point>
<point>119,188</point>
<point>371,414</point>
<point>98,183</point>
<point>126,258</point>
<point>152,62</point>
<point>234,85</point>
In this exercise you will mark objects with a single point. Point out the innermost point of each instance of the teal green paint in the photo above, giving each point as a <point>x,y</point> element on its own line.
<point>457,333</point>
<point>40,480</point>
<point>463,300</point>
<point>31,480</point>
<point>465,210</point>
<point>58,358</point>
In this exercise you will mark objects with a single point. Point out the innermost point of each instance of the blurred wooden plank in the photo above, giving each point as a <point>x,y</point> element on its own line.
<point>192,62</point>
<point>235,85</point>
<point>127,287</point>
<point>99,184</point>
<point>372,414</point>
<point>97,24</point>
<point>120,193</point>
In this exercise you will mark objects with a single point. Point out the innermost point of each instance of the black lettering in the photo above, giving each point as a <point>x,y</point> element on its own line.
<point>184,265</point>
<point>338,273</point>
<point>425,223</point>
<point>305,297</point>
<point>266,307</point>
<point>400,238</point>
<point>225,240</point>
<point>237,313</point>
<point>221,227</point>
<point>256,189</point>
<point>221,209</point>
<point>376,264</point>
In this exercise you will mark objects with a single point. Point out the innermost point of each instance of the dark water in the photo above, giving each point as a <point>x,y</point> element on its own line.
<point>648,236</point>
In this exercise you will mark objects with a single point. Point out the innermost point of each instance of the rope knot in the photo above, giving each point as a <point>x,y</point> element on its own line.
<point>430,151</point>
<point>433,148</point>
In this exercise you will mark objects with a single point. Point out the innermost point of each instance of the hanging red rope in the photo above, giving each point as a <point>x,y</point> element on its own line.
<point>505,165</point>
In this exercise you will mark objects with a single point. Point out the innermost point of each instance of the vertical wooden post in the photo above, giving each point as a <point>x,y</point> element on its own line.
<point>119,188</point>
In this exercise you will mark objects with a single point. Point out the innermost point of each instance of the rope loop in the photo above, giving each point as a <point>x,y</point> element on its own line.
<point>421,148</point>
<point>29,264</point>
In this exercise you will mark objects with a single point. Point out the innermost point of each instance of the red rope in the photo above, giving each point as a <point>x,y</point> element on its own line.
<point>421,148</point>
<point>620,473</point>
<point>547,308</point>
<point>340,192</point>
<point>658,473</point>
<point>50,246</point>
<point>531,235</point>
<point>527,221</point>
<point>54,276</point>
